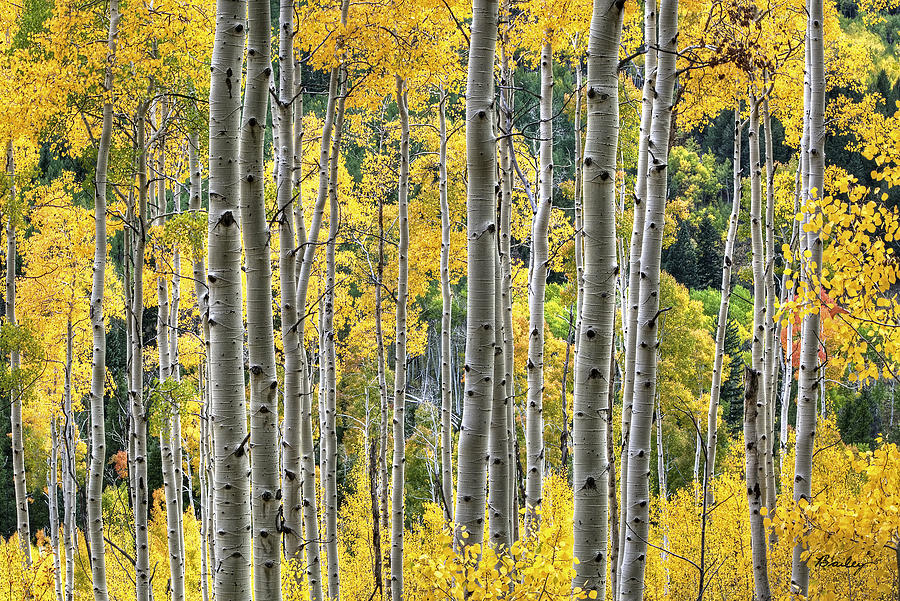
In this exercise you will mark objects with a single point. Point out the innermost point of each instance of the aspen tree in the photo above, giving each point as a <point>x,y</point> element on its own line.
<point>288,162</point>
<point>308,242</point>
<point>398,468</point>
<point>754,490</point>
<point>98,328</point>
<point>759,292</point>
<point>329,433</point>
<point>712,430</point>
<point>540,252</point>
<point>771,325</point>
<point>264,434</point>
<point>808,379</point>
<point>69,529</point>
<point>630,313</point>
<point>637,503</point>
<point>597,313</point>
<point>18,447</point>
<point>53,498</point>
<point>231,488</point>
<point>499,517</point>
<point>446,310</point>
<point>481,252</point>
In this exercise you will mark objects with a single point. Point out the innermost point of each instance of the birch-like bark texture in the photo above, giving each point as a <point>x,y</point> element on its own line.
<point>53,499</point>
<point>757,347</point>
<point>98,328</point>
<point>307,244</point>
<point>505,292</point>
<point>481,233</point>
<point>446,311</point>
<point>598,311</point>
<point>330,420</point>
<point>264,432</point>
<point>771,326</point>
<point>499,517</point>
<point>293,527</point>
<point>637,503</point>
<point>808,381</point>
<point>398,468</point>
<point>385,559</point>
<point>579,218</point>
<point>754,491</point>
<point>712,417</point>
<point>231,488</point>
<point>630,313</point>
<point>69,529</point>
<point>540,253</point>
<point>18,447</point>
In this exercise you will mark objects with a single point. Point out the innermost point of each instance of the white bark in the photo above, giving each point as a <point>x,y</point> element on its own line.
<point>540,255</point>
<point>98,329</point>
<point>598,311</point>
<point>53,498</point>
<point>637,504</point>
<point>446,310</point>
<point>808,385</point>
<point>712,418</point>
<point>231,488</point>
<point>630,312</point>
<point>398,468</point>
<point>18,448</point>
<point>771,326</point>
<point>499,516</point>
<point>755,497</point>
<point>69,484</point>
<point>481,235</point>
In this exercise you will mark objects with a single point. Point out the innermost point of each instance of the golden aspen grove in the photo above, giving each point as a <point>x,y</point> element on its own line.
<point>427,300</point>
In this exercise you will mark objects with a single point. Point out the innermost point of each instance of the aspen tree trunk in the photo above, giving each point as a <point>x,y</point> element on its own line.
<point>98,328</point>
<point>264,434</point>
<point>308,242</point>
<point>579,218</point>
<point>611,474</point>
<point>754,490</point>
<point>18,447</point>
<point>771,325</point>
<point>204,522</point>
<point>540,252</point>
<point>499,520</point>
<point>69,530</point>
<point>330,431</point>
<point>385,559</point>
<point>808,386</point>
<point>398,469</point>
<point>53,498</point>
<point>630,314</point>
<point>598,311</point>
<point>481,254</point>
<point>506,185</point>
<point>293,528</point>
<point>446,310</point>
<point>759,293</point>
<point>715,389</point>
<point>637,505</point>
<point>231,488</point>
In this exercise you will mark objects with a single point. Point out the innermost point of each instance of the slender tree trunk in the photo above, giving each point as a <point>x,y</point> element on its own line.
<point>385,560</point>
<point>611,474</point>
<point>204,510</point>
<point>446,310</point>
<point>754,491</point>
<point>330,432</point>
<point>598,311</point>
<point>771,325</point>
<point>637,506</point>
<point>231,488</point>
<point>759,293</point>
<point>264,433</point>
<point>398,469</point>
<point>630,314</point>
<point>98,328</point>
<point>499,521</point>
<point>287,243</point>
<point>481,254</point>
<point>808,386</point>
<point>18,447</point>
<point>579,217</point>
<point>540,252</point>
<point>712,419</point>
<point>69,471</point>
<point>53,498</point>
